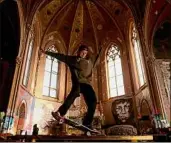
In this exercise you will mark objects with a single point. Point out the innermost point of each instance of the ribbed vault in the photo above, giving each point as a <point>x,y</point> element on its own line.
<point>83,21</point>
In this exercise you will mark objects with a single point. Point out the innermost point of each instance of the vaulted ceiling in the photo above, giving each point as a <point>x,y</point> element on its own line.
<point>72,22</point>
<point>83,21</point>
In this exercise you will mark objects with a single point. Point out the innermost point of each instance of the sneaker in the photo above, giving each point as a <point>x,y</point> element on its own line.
<point>95,130</point>
<point>58,117</point>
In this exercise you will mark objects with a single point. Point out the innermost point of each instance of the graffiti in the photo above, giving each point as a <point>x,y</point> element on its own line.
<point>122,130</point>
<point>9,120</point>
<point>122,111</point>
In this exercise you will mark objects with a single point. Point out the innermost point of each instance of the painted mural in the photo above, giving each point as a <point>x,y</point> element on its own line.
<point>122,110</point>
<point>123,113</point>
<point>24,122</point>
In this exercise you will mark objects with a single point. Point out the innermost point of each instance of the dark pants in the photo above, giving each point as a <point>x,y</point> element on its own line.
<point>89,97</point>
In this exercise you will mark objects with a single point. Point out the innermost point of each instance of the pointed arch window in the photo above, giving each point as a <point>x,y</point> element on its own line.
<point>115,75</point>
<point>50,75</point>
<point>28,63</point>
<point>137,56</point>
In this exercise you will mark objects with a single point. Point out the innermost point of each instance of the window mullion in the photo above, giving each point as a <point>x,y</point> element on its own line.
<point>112,54</point>
<point>50,76</point>
<point>115,78</point>
<point>51,84</point>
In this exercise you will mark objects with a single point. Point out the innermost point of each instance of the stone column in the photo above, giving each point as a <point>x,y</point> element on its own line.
<point>14,87</point>
<point>149,62</point>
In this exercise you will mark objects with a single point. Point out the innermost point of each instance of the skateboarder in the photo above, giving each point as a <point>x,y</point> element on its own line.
<point>81,70</point>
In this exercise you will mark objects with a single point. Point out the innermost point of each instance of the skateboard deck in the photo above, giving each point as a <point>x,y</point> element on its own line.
<point>79,126</point>
<point>76,125</point>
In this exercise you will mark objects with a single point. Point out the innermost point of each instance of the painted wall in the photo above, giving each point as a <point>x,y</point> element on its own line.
<point>119,116</point>
<point>28,100</point>
<point>42,114</point>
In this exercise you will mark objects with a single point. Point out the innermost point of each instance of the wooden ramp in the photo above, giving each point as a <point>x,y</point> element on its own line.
<point>67,138</point>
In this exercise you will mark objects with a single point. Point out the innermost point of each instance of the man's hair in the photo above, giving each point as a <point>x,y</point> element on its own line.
<point>82,47</point>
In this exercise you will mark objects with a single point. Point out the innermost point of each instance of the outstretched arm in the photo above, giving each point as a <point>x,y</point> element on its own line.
<point>60,57</point>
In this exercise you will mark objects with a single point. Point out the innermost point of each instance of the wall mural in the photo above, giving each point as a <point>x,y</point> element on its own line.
<point>123,113</point>
<point>122,110</point>
<point>30,102</point>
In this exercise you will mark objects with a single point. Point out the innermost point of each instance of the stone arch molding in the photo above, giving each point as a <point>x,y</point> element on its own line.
<point>114,42</point>
<point>56,39</point>
<point>144,96</point>
<point>144,101</point>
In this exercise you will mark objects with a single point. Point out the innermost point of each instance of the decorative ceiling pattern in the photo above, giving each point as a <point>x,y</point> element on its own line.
<point>117,11</point>
<point>91,21</point>
<point>77,26</point>
<point>82,21</point>
<point>48,12</point>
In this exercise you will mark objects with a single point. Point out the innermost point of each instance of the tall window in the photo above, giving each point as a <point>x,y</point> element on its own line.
<point>115,75</point>
<point>28,64</point>
<point>138,56</point>
<point>50,75</point>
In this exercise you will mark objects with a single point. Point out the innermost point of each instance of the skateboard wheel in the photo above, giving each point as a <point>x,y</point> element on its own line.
<point>61,121</point>
<point>88,133</point>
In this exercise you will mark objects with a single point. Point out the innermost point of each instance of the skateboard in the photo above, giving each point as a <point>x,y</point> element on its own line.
<point>81,127</point>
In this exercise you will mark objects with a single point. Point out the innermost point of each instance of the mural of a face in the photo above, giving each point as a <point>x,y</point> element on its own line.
<point>122,110</point>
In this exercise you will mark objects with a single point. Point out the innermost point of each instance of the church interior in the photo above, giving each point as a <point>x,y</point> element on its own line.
<point>132,79</point>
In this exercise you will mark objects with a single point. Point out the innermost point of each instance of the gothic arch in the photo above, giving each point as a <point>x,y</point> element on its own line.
<point>117,43</point>
<point>145,108</point>
<point>56,40</point>
<point>22,110</point>
<point>22,105</point>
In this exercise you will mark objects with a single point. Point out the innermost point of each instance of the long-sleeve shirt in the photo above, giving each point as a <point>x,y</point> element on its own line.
<point>80,68</point>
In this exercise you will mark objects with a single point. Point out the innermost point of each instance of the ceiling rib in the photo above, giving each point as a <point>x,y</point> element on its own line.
<point>95,34</point>
<point>76,22</point>
<point>54,17</point>
<point>63,17</point>
<point>114,21</point>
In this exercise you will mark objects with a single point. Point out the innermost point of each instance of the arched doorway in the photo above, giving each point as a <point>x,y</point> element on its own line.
<point>21,119</point>
<point>145,123</point>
